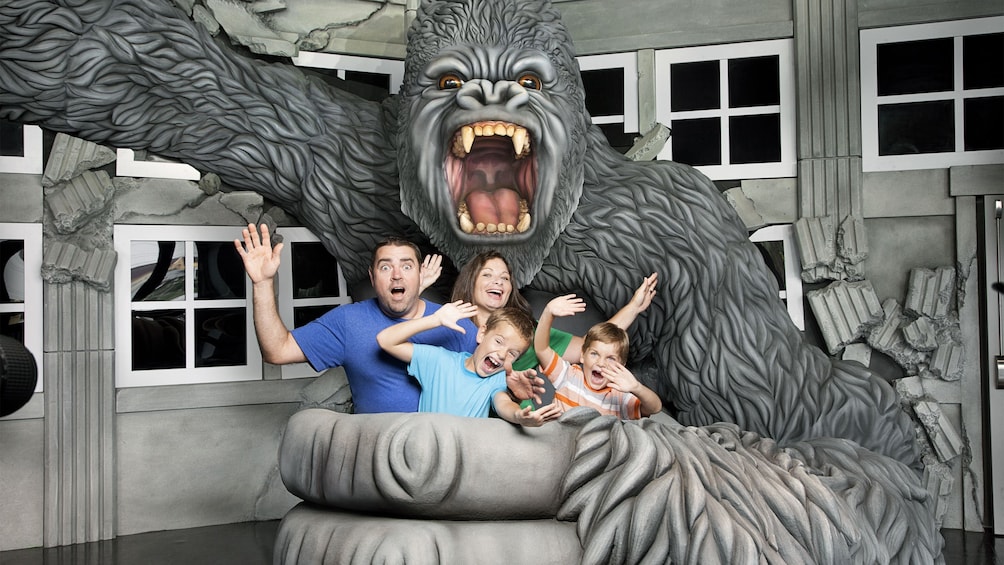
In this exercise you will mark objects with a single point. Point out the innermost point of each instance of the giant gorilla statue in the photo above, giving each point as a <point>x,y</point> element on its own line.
<point>487,145</point>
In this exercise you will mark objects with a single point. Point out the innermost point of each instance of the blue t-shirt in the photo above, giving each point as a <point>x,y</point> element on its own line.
<point>346,336</point>
<point>448,386</point>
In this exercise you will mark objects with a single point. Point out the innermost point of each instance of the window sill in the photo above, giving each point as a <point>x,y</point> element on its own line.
<point>211,395</point>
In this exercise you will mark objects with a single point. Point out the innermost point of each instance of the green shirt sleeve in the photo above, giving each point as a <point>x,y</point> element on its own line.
<point>559,341</point>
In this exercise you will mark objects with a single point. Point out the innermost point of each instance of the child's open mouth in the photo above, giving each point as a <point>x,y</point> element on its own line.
<point>491,365</point>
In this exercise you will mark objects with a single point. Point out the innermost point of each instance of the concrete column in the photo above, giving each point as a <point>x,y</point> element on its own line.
<point>829,111</point>
<point>79,415</point>
<point>78,347</point>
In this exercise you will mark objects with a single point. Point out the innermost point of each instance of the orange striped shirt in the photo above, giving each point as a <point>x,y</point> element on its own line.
<point>571,390</point>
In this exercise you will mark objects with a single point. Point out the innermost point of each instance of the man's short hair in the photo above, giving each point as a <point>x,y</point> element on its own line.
<point>516,318</point>
<point>606,332</point>
<point>395,242</point>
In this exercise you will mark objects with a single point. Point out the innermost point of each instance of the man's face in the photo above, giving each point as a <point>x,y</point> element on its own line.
<point>594,358</point>
<point>395,276</point>
<point>496,347</point>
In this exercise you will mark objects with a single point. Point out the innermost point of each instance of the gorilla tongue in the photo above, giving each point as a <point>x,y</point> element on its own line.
<point>494,207</point>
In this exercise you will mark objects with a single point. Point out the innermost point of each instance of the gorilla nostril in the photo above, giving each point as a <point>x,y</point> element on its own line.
<point>413,463</point>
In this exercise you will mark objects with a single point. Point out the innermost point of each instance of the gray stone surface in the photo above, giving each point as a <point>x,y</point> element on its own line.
<point>22,198</point>
<point>71,156</point>
<point>78,200</point>
<point>764,202</point>
<point>227,456</point>
<point>22,444</point>
<point>931,293</point>
<point>64,262</point>
<point>845,312</point>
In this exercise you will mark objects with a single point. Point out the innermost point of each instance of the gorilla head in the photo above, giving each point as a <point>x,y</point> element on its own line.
<point>491,129</point>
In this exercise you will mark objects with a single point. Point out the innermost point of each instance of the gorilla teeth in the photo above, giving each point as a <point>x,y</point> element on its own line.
<point>468,226</point>
<point>464,139</point>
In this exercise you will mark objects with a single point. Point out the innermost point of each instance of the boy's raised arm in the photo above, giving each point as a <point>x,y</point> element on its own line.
<point>394,339</point>
<point>567,305</point>
<point>640,301</point>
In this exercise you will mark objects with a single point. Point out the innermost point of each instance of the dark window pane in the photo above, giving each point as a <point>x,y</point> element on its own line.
<point>754,81</point>
<point>158,340</point>
<point>219,271</point>
<point>919,127</point>
<point>983,61</point>
<point>755,139</point>
<point>315,272</point>
<point>915,66</point>
<point>696,86</point>
<point>12,325</point>
<point>617,138</point>
<point>773,256</point>
<point>984,123</point>
<point>12,267</point>
<point>358,85</point>
<point>697,142</point>
<point>604,91</point>
<point>306,314</point>
<point>11,139</point>
<point>220,337</point>
<point>158,270</point>
<point>378,80</point>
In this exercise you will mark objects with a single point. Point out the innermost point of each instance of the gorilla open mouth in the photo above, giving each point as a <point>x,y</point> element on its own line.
<point>492,175</point>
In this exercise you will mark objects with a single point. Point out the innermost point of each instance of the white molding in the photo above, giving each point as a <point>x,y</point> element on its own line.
<point>783,49</point>
<point>391,67</point>
<point>628,62</point>
<point>870,39</point>
<point>31,161</point>
<point>126,165</point>
<point>31,234</point>
<point>190,374</point>
<point>792,293</point>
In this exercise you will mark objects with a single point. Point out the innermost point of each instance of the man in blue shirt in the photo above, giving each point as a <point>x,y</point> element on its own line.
<point>346,336</point>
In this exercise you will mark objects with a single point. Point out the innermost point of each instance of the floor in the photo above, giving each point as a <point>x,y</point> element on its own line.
<point>250,543</point>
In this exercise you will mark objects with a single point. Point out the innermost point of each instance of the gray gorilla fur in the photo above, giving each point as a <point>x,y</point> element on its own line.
<point>717,341</point>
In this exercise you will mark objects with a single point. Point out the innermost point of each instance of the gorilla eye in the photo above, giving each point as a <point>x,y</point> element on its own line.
<point>450,82</point>
<point>529,81</point>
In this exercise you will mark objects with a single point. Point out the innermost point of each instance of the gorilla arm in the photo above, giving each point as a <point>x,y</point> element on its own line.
<point>650,491</point>
<point>142,75</point>
<point>717,341</point>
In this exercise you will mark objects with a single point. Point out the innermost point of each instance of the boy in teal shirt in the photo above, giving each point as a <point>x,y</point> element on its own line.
<point>461,383</point>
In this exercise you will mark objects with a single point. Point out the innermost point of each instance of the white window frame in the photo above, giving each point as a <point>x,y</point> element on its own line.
<point>629,63</point>
<point>783,48</point>
<point>341,63</point>
<point>287,303</point>
<point>792,291</point>
<point>127,165</point>
<point>870,101</point>
<point>125,376</point>
<point>30,162</point>
<point>31,235</point>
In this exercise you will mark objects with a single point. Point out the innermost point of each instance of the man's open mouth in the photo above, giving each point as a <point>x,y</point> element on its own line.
<point>492,174</point>
<point>397,290</point>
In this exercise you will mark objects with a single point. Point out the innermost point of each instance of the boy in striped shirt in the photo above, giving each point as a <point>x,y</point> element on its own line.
<point>602,381</point>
